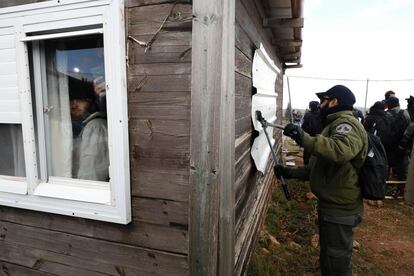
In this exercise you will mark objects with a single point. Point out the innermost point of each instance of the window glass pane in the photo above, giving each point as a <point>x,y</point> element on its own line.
<point>11,150</point>
<point>74,107</point>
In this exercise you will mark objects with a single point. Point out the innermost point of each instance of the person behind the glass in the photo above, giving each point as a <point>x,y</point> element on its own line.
<point>90,143</point>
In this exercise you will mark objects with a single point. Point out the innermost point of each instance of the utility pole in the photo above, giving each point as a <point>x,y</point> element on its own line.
<point>366,97</point>
<point>290,101</point>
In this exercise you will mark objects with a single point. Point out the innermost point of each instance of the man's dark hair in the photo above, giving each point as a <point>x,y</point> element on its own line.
<point>388,94</point>
<point>80,89</point>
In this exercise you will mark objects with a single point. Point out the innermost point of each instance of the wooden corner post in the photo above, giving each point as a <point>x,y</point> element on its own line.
<point>212,138</point>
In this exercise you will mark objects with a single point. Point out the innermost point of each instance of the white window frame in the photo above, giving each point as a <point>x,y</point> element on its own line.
<point>106,201</point>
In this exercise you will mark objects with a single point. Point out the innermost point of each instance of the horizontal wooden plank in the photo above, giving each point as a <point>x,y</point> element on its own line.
<point>161,184</point>
<point>243,42</point>
<point>148,19</point>
<point>134,3</point>
<point>244,143</point>
<point>243,125</point>
<point>169,83</point>
<point>10,269</point>
<point>161,165</point>
<point>11,3</point>
<point>244,85</point>
<point>158,54</point>
<point>151,28</point>
<point>121,260</point>
<point>168,38</point>
<point>160,146</point>
<point>247,194</point>
<point>243,106</point>
<point>157,69</point>
<point>159,112</point>
<point>247,236</point>
<point>159,98</point>
<point>162,212</point>
<point>283,22</point>
<point>243,164</point>
<point>243,64</point>
<point>248,18</point>
<point>168,127</point>
<point>242,185</point>
<point>171,238</point>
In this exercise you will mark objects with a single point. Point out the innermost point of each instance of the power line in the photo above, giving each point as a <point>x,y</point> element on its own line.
<point>339,79</point>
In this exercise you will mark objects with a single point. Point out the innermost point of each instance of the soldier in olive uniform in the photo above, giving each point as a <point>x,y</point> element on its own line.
<point>336,156</point>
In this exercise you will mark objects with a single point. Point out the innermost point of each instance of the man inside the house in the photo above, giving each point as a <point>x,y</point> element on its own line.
<point>90,145</point>
<point>336,156</point>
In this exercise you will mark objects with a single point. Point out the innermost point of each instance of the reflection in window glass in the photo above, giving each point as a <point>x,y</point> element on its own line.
<point>76,134</point>
<point>11,151</point>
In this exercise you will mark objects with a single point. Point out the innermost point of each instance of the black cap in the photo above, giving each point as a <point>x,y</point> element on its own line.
<point>392,102</point>
<point>340,92</point>
<point>378,106</point>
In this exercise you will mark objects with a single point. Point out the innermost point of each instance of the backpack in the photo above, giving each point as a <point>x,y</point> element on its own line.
<point>374,172</point>
<point>382,128</point>
<point>398,127</point>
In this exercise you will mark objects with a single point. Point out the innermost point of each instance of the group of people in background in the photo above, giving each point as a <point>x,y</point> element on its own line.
<point>393,125</point>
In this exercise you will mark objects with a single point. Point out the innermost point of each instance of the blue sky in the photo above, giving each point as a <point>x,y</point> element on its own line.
<point>356,40</point>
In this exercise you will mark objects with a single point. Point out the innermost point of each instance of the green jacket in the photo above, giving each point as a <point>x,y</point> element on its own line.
<point>336,156</point>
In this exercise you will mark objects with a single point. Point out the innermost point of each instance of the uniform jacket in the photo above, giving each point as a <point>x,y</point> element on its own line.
<point>336,156</point>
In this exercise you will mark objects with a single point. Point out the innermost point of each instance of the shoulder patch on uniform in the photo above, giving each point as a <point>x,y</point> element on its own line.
<point>343,128</point>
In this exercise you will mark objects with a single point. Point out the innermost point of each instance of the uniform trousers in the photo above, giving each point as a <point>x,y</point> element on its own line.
<point>336,236</point>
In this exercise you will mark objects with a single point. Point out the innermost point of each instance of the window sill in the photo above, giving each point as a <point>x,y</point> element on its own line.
<point>16,185</point>
<point>75,189</point>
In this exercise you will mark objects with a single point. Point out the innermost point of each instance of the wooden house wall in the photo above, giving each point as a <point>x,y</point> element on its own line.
<point>252,189</point>
<point>156,241</point>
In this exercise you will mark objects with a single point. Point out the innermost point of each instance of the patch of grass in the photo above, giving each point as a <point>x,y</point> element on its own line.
<point>289,222</point>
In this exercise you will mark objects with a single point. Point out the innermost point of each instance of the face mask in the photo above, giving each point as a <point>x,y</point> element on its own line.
<point>324,110</point>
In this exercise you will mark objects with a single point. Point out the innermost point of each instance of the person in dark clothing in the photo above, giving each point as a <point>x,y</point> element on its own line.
<point>406,142</point>
<point>397,158</point>
<point>337,154</point>
<point>358,114</point>
<point>378,121</point>
<point>312,124</point>
<point>410,107</point>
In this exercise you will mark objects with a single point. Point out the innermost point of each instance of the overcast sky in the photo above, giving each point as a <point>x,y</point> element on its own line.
<point>355,39</point>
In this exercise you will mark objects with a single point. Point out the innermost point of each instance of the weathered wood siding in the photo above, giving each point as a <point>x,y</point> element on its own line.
<point>10,3</point>
<point>156,241</point>
<point>252,189</point>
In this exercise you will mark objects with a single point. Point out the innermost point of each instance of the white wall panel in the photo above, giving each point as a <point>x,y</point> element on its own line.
<point>265,73</point>
<point>9,93</point>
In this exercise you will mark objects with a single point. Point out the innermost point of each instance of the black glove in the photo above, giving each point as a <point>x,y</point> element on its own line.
<point>295,132</point>
<point>281,170</point>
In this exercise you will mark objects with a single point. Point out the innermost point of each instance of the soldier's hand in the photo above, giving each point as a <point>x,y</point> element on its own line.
<point>281,170</point>
<point>295,132</point>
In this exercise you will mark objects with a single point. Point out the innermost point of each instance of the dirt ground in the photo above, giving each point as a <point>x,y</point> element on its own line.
<point>288,243</point>
<point>386,237</point>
